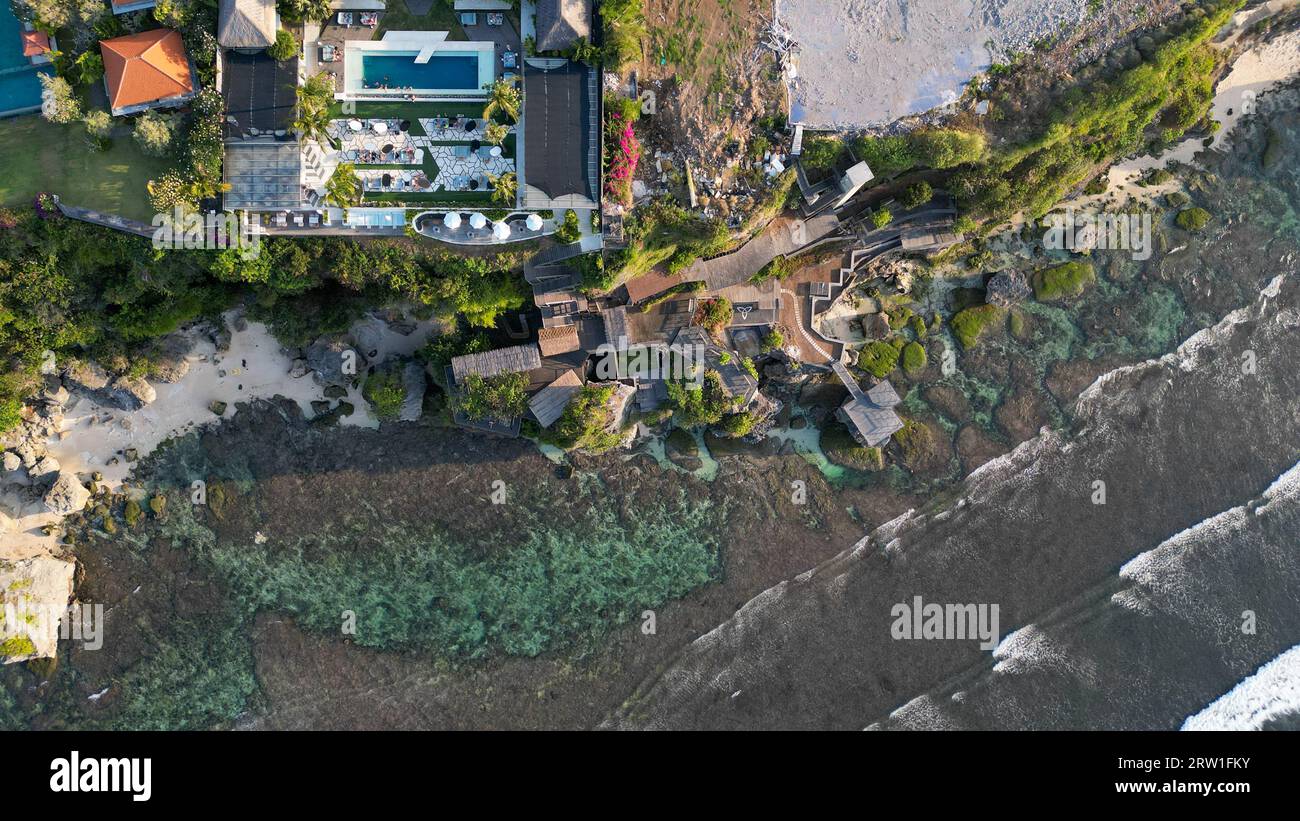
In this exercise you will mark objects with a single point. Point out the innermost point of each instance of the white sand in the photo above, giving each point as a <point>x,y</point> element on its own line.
<point>256,367</point>
<point>870,62</point>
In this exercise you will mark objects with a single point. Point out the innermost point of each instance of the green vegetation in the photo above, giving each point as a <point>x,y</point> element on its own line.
<point>779,268</point>
<point>928,148</point>
<point>914,358</point>
<point>39,156</point>
<point>426,591</point>
<point>132,513</point>
<point>915,440</point>
<point>820,153</point>
<point>774,340</point>
<point>499,397</point>
<point>878,359</point>
<point>154,132</point>
<point>1193,219</point>
<point>969,324</point>
<point>738,424</point>
<point>504,99</point>
<point>285,47</point>
<point>385,393</point>
<point>841,448</point>
<point>1149,95</point>
<point>585,423</point>
<point>343,188</point>
<point>625,32</point>
<point>298,11</point>
<point>570,230</point>
<point>680,289</point>
<point>83,291</point>
<point>16,646</point>
<point>315,102</point>
<point>715,314</point>
<point>1069,279</point>
<point>917,195</point>
<point>881,217</point>
<point>698,406</point>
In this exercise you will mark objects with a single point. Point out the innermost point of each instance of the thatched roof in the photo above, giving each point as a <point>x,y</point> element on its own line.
<point>561,22</point>
<point>518,359</point>
<point>246,23</point>
<point>558,339</point>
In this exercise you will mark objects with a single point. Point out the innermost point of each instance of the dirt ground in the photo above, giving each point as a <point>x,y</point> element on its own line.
<point>711,78</point>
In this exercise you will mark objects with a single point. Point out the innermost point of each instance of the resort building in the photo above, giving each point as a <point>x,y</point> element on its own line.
<point>37,47</point>
<point>264,166</point>
<point>868,415</point>
<point>247,25</point>
<point>834,192</point>
<point>561,23</point>
<point>146,70</point>
<point>487,364</point>
<point>561,167</point>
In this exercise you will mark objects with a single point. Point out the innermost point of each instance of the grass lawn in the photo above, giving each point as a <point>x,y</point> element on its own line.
<point>442,17</point>
<point>39,156</point>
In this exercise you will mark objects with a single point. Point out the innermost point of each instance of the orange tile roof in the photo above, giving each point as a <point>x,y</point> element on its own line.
<point>558,339</point>
<point>35,43</point>
<point>146,67</point>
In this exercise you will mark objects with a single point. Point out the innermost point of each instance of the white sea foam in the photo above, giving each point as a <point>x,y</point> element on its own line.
<point>1273,690</point>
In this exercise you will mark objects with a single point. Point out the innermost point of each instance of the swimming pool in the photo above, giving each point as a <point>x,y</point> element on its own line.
<point>20,84</point>
<point>446,70</point>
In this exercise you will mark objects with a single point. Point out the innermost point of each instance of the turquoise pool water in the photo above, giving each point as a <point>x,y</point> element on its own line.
<point>20,85</point>
<point>458,70</point>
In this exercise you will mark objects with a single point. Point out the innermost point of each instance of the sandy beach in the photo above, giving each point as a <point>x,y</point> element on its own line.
<point>94,436</point>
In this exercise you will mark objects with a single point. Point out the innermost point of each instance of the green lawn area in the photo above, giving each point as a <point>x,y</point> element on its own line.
<point>442,17</point>
<point>39,156</point>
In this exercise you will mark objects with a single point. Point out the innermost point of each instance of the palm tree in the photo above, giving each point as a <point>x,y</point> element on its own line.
<point>314,99</point>
<point>343,187</point>
<point>496,133</point>
<point>504,188</point>
<point>503,97</point>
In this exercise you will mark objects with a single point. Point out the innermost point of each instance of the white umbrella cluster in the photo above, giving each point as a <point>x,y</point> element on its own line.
<point>451,219</point>
<point>477,220</point>
<point>534,222</point>
<point>500,230</point>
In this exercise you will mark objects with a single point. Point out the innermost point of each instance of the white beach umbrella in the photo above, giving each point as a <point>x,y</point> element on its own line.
<point>496,151</point>
<point>500,230</point>
<point>354,125</point>
<point>451,219</point>
<point>380,127</point>
<point>477,220</point>
<point>534,222</point>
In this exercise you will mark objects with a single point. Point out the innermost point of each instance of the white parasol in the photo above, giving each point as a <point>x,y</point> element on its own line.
<point>500,230</point>
<point>477,220</point>
<point>534,222</point>
<point>451,219</point>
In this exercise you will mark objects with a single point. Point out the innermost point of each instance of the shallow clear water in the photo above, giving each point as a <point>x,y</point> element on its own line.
<point>444,70</point>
